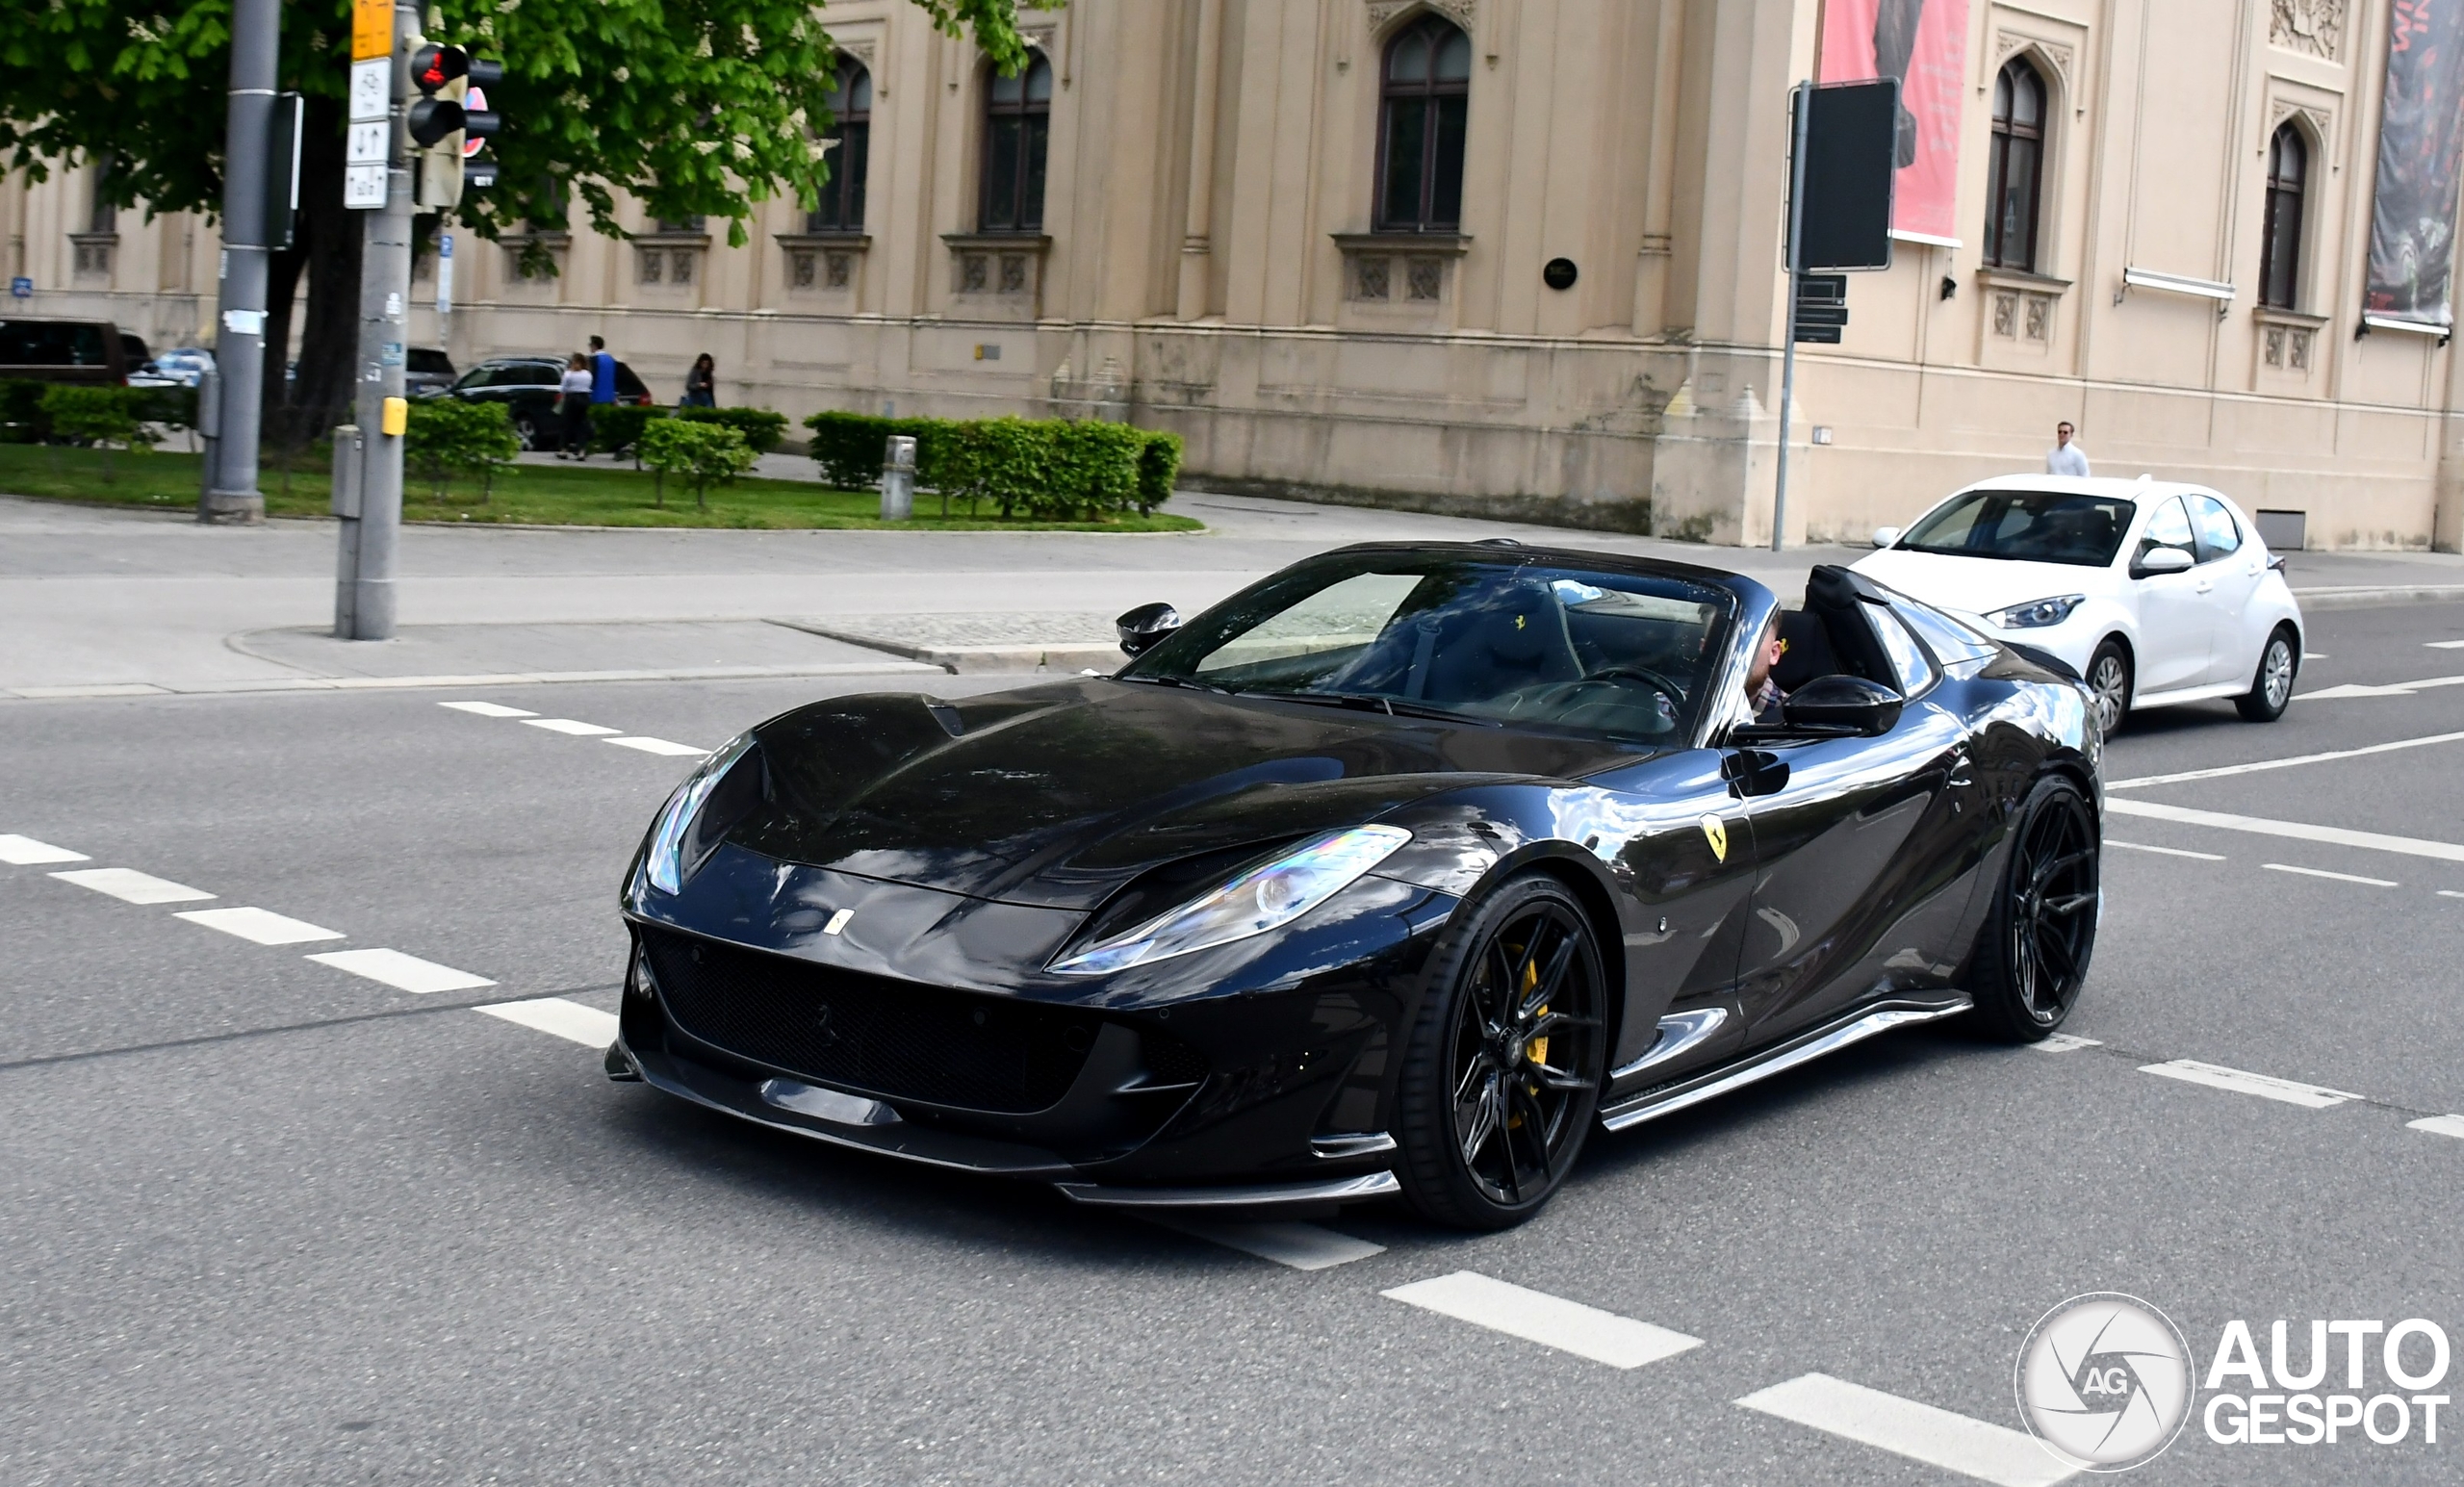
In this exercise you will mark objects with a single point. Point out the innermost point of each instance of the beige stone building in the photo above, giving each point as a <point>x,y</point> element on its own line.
<point>1327,240</point>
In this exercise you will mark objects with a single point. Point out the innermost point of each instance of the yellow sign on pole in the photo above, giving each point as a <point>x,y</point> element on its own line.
<point>372,29</point>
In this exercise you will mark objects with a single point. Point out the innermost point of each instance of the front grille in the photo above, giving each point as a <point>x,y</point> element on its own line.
<point>891,1037</point>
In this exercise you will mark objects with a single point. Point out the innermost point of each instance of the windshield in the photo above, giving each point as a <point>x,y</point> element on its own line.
<point>1625,654</point>
<point>2027,526</point>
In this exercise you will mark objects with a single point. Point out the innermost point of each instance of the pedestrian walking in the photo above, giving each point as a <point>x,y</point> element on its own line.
<point>573,406</point>
<point>700,384</point>
<point>603,372</point>
<point>2065,458</point>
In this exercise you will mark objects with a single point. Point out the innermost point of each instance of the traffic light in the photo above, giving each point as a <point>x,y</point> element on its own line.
<point>448,123</point>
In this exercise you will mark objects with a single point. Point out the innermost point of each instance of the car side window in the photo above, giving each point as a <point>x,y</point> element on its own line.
<point>1908,658</point>
<point>2219,534</point>
<point>2168,527</point>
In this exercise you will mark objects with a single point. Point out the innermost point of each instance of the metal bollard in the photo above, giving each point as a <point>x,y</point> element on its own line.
<point>898,478</point>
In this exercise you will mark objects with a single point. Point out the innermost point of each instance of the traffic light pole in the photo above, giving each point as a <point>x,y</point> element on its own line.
<point>1803,109</point>
<point>364,579</point>
<point>230,493</point>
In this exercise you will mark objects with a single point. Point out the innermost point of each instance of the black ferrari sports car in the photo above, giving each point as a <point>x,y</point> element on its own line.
<point>1395,872</point>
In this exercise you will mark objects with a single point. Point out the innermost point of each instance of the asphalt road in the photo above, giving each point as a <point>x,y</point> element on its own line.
<point>264,1219</point>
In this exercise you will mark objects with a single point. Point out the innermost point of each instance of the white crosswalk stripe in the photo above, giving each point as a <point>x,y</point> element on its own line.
<point>403,972</point>
<point>649,745</point>
<point>2063,1042</point>
<point>131,886</point>
<point>569,726</point>
<point>261,925</point>
<point>1537,1317</point>
<point>567,1020</point>
<point>2267,1086</point>
<point>2440,1125</point>
<point>25,852</point>
<point>1921,1432</point>
<point>490,709</point>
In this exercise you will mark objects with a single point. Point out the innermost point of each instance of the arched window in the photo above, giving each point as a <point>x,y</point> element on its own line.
<point>2015,169</point>
<point>1425,97</point>
<point>1017,123</point>
<point>2280,254</point>
<point>851,114</point>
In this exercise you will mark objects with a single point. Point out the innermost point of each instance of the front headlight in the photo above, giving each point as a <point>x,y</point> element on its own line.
<point>2038,613</point>
<point>1260,898</point>
<point>665,866</point>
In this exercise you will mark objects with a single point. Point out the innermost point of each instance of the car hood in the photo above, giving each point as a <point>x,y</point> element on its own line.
<point>1979,586</point>
<point>1060,795</point>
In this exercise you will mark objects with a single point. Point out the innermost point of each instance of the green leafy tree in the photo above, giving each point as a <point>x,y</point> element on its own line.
<point>694,451</point>
<point>695,107</point>
<point>447,437</point>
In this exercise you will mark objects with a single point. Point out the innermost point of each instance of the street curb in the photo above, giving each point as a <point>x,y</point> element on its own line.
<point>968,660</point>
<point>2371,598</point>
<point>471,680</point>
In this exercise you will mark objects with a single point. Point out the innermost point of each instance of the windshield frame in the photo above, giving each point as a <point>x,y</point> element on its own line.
<point>2131,511</point>
<point>1173,662</point>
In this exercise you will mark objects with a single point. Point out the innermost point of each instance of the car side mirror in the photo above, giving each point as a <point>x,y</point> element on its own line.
<point>2156,560</point>
<point>1884,536</point>
<point>1144,627</point>
<point>1843,707</point>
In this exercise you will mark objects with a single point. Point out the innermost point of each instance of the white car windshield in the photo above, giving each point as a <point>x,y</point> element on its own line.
<point>2026,527</point>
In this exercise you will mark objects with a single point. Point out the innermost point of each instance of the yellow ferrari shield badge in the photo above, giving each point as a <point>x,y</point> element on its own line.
<point>1716,833</point>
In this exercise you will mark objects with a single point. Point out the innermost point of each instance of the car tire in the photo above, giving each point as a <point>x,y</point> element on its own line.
<point>2109,679</point>
<point>526,430</point>
<point>2271,685</point>
<point>2031,958</point>
<point>1518,980</point>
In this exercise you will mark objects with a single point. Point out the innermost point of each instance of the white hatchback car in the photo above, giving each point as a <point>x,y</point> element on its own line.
<point>2154,592</point>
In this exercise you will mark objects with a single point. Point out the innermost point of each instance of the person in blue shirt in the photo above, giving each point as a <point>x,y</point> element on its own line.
<point>603,372</point>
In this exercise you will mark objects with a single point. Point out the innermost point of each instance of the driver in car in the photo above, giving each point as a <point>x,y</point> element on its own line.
<point>1761,693</point>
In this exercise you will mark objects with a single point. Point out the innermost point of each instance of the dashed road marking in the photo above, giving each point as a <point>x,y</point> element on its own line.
<point>2333,836</point>
<point>2321,872</point>
<point>2450,893</point>
<point>403,972</point>
<point>567,1020</point>
<point>1302,1247</point>
<point>2222,771</point>
<point>261,925</point>
<point>25,852</point>
<point>2391,689</point>
<point>2063,1042</point>
<point>1921,1432</point>
<point>2171,852</point>
<point>490,709</point>
<point>569,726</point>
<point>1553,1321</point>
<point>2439,1125</point>
<point>2267,1086</point>
<point>2445,645</point>
<point>661,746</point>
<point>131,886</point>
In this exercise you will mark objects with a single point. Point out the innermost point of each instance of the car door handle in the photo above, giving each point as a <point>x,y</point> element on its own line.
<point>2205,586</point>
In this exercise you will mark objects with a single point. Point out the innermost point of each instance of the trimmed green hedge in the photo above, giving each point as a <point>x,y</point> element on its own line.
<point>762,429</point>
<point>1048,469</point>
<point>616,427</point>
<point>22,420</point>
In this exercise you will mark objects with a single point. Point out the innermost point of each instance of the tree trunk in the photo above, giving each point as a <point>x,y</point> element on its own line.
<point>326,246</point>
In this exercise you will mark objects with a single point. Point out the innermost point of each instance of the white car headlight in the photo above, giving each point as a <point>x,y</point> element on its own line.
<point>1261,899</point>
<point>2038,613</point>
<point>665,867</point>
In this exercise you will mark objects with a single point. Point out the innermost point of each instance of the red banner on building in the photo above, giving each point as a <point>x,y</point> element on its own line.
<point>2420,152</point>
<point>1924,44</point>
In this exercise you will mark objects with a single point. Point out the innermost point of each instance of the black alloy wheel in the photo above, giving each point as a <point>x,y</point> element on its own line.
<point>1502,1074</point>
<point>2033,958</point>
<point>2109,680</point>
<point>2272,688</point>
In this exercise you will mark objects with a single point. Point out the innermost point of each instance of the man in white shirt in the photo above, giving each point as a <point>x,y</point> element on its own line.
<point>2065,458</point>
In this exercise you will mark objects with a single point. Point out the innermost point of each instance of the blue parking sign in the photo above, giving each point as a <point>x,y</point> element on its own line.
<point>22,288</point>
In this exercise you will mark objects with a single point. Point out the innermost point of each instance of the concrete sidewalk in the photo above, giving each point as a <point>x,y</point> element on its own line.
<point>98,599</point>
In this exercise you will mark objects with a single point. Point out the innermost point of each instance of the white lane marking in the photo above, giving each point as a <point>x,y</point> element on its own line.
<point>131,886</point>
<point>2391,689</point>
<point>2215,1076</point>
<point>403,972</point>
<point>2333,836</point>
<point>2445,645</point>
<point>569,726</point>
<point>1304,1246</point>
<point>2221,771</point>
<point>2439,1125</point>
<point>584,1025</point>
<point>2321,872</point>
<point>1553,1321</point>
<point>2450,893</point>
<point>2063,1042</point>
<point>25,852</point>
<point>490,709</point>
<point>2314,655</point>
<point>2171,852</point>
<point>1937,1437</point>
<point>261,925</point>
<point>657,746</point>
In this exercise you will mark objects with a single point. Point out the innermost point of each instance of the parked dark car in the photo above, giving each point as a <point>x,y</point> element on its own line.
<point>527,385</point>
<point>1397,872</point>
<point>428,371</point>
<point>95,353</point>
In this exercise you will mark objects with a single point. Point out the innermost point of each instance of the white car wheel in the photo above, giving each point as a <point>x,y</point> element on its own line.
<point>2272,686</point>
<point>2109,679</point>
